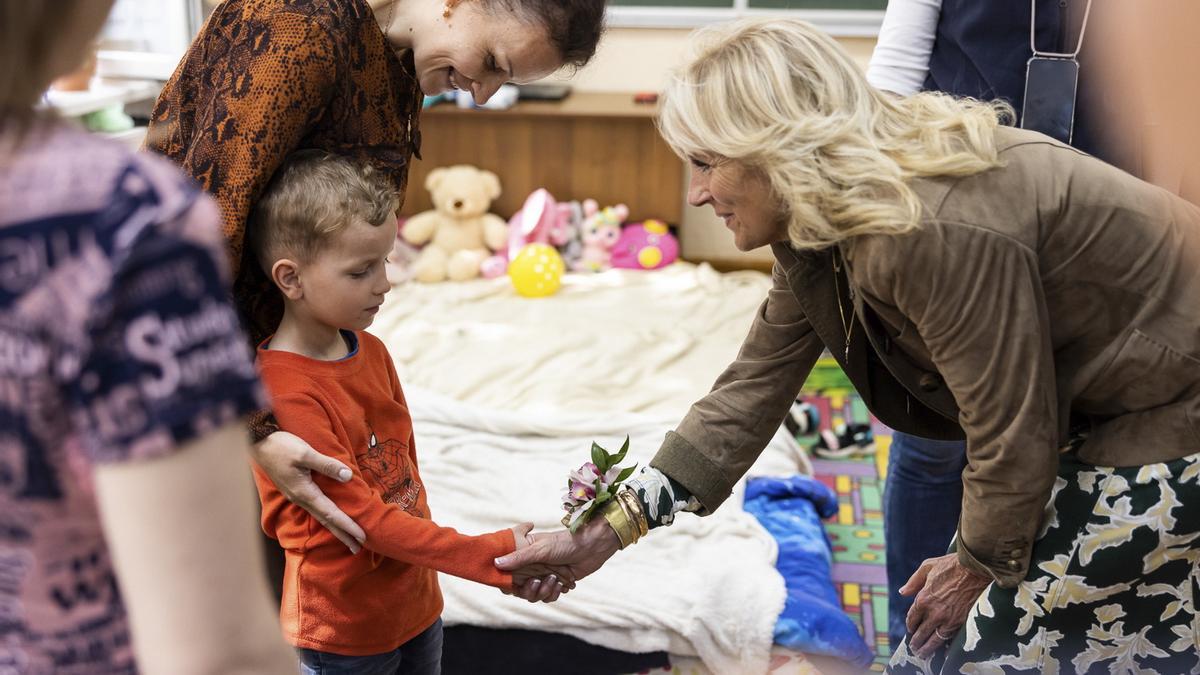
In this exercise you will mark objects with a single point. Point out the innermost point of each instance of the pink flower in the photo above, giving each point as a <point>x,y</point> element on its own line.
<point>581,486</point>
<point>610,476</point>
<point>588,473</point>
<point>578,493</point>
<point>587,488</point>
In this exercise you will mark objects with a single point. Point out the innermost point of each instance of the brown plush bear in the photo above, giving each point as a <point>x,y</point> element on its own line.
<point>460,232</point>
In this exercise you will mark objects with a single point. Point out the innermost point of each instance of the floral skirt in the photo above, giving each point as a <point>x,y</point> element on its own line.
<point>1112,587</point>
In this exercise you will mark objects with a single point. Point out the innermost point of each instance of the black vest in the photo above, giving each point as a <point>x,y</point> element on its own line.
<point>981,47</point>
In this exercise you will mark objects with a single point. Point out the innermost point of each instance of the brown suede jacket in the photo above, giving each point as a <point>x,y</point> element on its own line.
<point>1052,301</point>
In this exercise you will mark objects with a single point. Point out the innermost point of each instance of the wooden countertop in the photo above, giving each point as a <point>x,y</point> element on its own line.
<point>577,104</point>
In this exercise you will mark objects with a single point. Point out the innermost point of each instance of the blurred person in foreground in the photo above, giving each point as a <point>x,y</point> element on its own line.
<point>1152,121</point>
<point>127,541</point>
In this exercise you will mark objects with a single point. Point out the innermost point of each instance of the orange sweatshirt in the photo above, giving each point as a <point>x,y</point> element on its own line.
<point>353,409</point>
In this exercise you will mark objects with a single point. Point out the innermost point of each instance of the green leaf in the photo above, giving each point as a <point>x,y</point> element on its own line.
<point>599,458</point>
<point>625,473</point>
<point>603,497</point>
<point>621,455</point>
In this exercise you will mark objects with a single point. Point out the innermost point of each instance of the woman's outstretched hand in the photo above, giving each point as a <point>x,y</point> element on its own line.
<point>565,556</point>
<point>527,585</point>
<point>289,462</point>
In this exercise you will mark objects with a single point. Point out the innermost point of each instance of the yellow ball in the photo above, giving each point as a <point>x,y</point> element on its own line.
<point>536,271</point>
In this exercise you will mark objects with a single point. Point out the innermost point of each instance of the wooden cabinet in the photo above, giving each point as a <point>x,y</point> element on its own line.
<point>598,145</point>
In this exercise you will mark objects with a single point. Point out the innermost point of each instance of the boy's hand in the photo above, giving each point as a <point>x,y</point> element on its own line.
<point>534,584</point>
<point>521,535</point>
<point>289,462</point>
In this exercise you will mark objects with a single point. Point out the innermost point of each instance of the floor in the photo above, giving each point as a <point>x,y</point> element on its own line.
<point>856,532</point>
<point>857,537</point>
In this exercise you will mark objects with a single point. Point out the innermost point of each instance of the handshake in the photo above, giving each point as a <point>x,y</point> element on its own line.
<point>547,564</point>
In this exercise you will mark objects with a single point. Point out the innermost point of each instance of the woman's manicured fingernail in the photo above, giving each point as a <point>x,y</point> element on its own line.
<point>345,475</point>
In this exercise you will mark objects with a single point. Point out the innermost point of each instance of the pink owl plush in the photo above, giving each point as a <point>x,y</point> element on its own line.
<point>645,246</point>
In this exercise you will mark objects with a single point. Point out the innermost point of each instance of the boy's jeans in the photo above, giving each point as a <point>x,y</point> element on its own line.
<point>921,502</point>
<point>421,655</point>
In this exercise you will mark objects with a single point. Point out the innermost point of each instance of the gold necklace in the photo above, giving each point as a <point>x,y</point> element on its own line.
<point>847,327</point>
<point>385,25</point>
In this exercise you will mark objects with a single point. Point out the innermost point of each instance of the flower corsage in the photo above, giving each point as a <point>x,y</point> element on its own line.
<point>593,484</point>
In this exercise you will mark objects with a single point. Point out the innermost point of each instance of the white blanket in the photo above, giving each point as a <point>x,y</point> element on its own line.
<point>508,393</point>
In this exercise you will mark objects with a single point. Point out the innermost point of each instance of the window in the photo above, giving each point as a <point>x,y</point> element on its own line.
<point>851,18</point>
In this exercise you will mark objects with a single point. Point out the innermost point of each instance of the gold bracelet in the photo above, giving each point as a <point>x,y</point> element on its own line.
<point>642,522</point>
<point>640,512</point>
<point>634,531</point>
<point>634,505</point>
<point>630,515</point>
<point>619,521</point>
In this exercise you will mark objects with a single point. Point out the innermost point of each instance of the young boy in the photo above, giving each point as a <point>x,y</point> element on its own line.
<point>322,233</point>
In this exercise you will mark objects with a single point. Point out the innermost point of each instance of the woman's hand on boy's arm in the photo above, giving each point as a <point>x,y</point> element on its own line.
<point>289,462</point>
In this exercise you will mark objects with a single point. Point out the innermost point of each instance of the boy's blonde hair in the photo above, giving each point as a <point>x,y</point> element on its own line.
<point>313,195</point>
<point>781,97</point>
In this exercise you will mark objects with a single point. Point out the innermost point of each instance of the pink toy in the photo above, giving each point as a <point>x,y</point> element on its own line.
<point>645,246</point>
<point>399,265</point>
<point>494,266</point>
<point>601,229</point>
<point>541,220</point>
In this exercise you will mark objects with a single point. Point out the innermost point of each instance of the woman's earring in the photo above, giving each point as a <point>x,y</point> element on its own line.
<point>448,8</point>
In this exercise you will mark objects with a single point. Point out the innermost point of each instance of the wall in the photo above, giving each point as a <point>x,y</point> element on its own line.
<point>634,59</point>
<point>638,59</point>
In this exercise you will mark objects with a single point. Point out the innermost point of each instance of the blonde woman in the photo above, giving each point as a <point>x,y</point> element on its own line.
<point>974,281</point>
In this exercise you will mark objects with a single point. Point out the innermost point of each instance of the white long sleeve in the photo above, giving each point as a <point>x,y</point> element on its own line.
<point>900,61</point>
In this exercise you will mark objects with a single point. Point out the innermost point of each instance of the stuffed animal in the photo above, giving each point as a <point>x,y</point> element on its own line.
<point>572,247</point>
<point>541,220</point>
<point>645,246</point>
<point>600,231</point>
<point>459,232</point>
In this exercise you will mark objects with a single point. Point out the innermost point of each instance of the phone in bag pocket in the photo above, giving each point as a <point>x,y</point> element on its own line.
<point>1050,86</point>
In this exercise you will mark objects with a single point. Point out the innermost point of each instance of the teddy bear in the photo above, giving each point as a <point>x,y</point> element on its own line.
<point>459,233</point>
